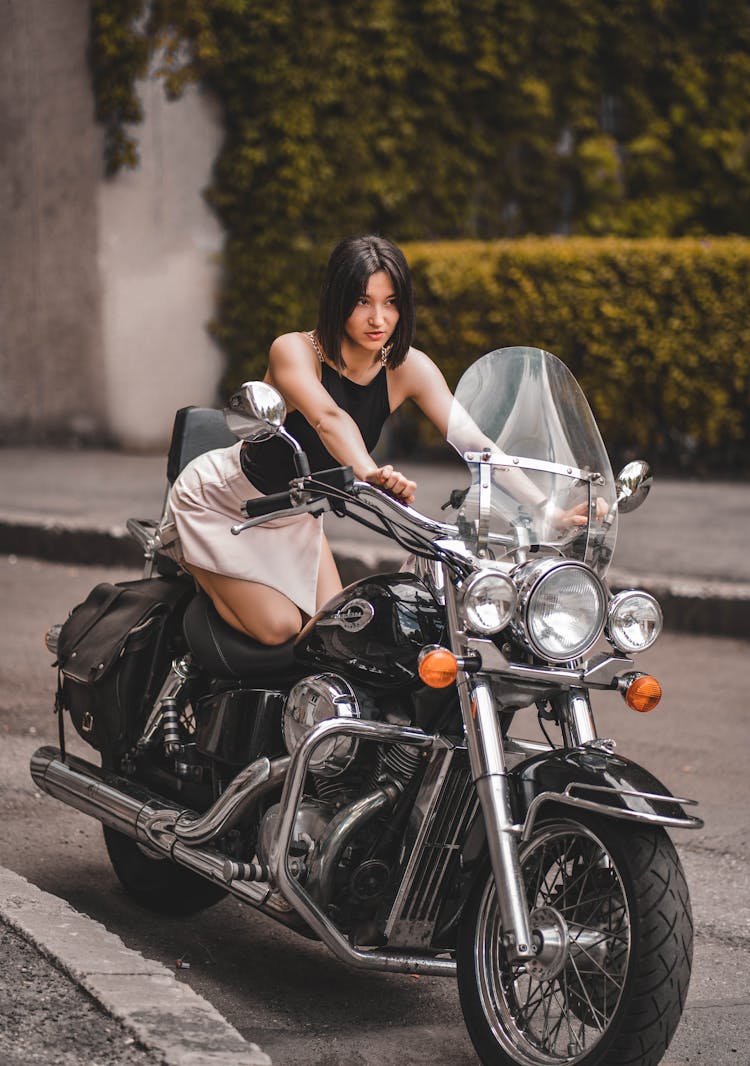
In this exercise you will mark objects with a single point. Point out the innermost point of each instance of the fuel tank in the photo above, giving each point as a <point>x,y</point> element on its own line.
<point>374,630</point>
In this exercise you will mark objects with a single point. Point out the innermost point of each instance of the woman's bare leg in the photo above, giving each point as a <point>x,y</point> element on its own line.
<point>256,610</point>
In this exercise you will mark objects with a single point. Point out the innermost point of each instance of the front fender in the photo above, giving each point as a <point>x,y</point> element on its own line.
<point>594,780</point>
<point>583,778</point>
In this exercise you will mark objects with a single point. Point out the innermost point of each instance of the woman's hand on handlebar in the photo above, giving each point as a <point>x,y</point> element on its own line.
<point>579,515</point>
<point>393,482</point>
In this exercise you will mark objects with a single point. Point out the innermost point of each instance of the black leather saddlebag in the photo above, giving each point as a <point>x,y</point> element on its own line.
<point>113,654</point>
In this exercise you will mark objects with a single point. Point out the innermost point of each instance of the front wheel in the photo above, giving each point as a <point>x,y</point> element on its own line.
<point>610,981</point>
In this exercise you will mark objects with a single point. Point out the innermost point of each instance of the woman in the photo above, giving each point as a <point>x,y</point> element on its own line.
<point>340,382</point>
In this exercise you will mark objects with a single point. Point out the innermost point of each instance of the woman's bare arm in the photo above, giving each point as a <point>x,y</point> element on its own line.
<point>293,368</point>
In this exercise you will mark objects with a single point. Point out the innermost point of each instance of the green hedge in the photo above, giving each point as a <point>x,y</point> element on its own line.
<point>656,331</point>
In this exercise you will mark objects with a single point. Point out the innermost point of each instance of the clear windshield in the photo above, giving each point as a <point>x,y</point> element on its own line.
<point>541,482</point>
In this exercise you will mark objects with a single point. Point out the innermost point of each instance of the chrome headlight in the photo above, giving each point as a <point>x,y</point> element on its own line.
<point>562,608</point>
<point>488,601</point>
<point>634,620</point>
<point>314,700</point>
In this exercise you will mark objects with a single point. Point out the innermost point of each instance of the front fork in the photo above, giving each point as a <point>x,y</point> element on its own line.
<point>488,768</point>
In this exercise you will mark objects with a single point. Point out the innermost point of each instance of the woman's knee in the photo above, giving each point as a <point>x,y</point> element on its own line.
<point>275,630</point>
<point>257,610</point>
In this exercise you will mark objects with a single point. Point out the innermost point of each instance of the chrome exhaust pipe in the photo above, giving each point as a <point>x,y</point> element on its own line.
<point>115,801</point>
<point>343,826</point>
<point>243,791</point>
<point>135,812</point>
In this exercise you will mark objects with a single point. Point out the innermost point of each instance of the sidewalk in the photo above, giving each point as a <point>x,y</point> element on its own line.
<point>687,544</point>
<point>72,994</point>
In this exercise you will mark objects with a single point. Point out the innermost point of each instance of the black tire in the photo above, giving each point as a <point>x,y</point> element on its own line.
<point>159,884</point>
<point>619,995</point>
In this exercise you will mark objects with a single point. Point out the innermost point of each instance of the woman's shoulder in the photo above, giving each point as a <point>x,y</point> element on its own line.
<point>293,349</point>
<point>413,360</point>
<point>299,340</point>
<point>415,365</point>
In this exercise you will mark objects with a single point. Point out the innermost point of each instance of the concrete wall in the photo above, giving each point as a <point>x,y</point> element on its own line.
<point>106,285</point>
<point>158,259</point>
<point>51,375</point>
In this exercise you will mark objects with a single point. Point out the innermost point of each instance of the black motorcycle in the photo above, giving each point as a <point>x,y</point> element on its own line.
<point>366,783</point>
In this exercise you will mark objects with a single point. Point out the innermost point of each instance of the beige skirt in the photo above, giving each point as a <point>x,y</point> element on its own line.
<point>204,504</point>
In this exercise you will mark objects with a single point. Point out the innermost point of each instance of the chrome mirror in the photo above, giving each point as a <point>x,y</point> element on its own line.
<point>256,411</point>
<point>633,485</point>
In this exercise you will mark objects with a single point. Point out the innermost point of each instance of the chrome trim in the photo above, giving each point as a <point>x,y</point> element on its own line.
<point>614,605</point>
<point>485,507</point>
<point>519,746</point>
<point>146,532</point>
<point>518,751</point>
<point>478,578</point>
<point>421,817</point>
<point>292,890</point>
<point>600,674</point>
<point>180,673</point>
<point>529,578</point>
<point>488,769</point>
<point>352,617</point>
<point>445,809</point>
<point>565,797</point>
<point>321,697</point>
<point>128,808</point>
<point>234,803</point>
<point>52,638</point>
<point>387,503</point>
<point>518,462</point>
<point>316,507</point>
<point>334,840</point>
<point>580,718</point>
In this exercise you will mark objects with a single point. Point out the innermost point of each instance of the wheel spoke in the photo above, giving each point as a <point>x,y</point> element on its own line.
<point>560,1017</point>
<point>579,1038</point>
<point>599,968</point>
<point>595,1014</point>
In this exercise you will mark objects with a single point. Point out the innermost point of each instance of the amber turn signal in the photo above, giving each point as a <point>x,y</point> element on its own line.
<point>438,667</point>
<point>643,692</point>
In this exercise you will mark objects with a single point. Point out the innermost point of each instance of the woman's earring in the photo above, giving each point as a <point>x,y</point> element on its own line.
<point>385,351</point>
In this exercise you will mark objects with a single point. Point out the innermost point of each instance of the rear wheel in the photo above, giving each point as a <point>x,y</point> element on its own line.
<point>157,883</point>
<point>610,982</point>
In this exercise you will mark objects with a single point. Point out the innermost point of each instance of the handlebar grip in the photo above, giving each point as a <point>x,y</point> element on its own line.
<point>276,501</point>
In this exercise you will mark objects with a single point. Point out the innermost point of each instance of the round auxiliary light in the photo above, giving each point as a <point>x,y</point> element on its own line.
<point>634,621</point>
<point>488,601</point>
<point>563,609</point>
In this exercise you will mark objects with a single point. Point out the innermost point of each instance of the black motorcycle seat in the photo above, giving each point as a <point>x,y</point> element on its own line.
<point>226,653</point>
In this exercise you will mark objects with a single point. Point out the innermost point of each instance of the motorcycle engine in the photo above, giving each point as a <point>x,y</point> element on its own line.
<point>341,771</point>
<point>314,700</point>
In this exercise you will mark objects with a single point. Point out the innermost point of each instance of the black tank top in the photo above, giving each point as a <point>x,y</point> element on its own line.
<point>269,464</point>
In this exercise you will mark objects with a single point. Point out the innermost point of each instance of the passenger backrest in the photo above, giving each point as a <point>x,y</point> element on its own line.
<point>196,430</point>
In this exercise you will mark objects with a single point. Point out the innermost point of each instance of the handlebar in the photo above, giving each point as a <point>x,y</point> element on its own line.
<point>276,501</point>
<point>336,485</point>
<point>404,511</point>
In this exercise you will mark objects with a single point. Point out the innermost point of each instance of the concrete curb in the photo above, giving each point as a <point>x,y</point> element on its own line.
<point>164,1015</point>
<point>713,608</point>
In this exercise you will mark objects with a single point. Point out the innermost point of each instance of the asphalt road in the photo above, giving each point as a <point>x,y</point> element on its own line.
<point>290,995</point>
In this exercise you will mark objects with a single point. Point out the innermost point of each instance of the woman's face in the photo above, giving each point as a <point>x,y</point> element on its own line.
<point>375,315</point>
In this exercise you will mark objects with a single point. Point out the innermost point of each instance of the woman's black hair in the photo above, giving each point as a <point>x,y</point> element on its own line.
<point>350,267</point>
